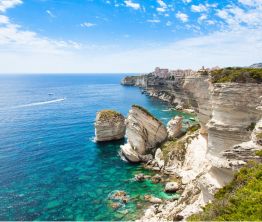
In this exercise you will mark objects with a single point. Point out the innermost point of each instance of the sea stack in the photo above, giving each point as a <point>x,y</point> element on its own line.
<point>144,133</point>
<point>174,127</point>
<point>109,125</point>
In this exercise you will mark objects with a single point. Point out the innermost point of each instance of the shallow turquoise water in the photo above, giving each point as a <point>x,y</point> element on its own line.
<point>49,165</point>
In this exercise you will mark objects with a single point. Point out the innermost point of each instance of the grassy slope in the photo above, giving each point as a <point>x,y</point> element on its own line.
<point>241,200</point>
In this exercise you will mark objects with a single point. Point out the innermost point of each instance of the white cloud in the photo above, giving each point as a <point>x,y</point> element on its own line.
<point>153,20</point>
<point>168,23</point>
<point>50,13</point>
<point>224,48</point>
<point>163,6</point>
<point>6,4</point>
<point>33,53</point>
<point>87,24</point>
<point>202,18</point>
<point>133,5</point>
<point>187,1</point>
<point>15,38</point>
<point>4,19</point>
<point>198,8</point>
<point>211,22</point>
<point>236,17</point>
<point>253,3</point>
<point>182,16</point>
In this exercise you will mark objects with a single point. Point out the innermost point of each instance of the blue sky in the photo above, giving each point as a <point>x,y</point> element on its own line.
<point>38,36</point>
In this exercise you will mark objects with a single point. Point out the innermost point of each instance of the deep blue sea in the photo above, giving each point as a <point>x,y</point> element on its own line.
<point>50,167</point>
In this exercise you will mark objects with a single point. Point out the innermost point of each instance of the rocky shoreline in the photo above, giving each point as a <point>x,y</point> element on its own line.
<point>195,164</point>
<point>206,159</point>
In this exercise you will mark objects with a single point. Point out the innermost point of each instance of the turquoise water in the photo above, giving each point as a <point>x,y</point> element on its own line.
<point>50,168</point>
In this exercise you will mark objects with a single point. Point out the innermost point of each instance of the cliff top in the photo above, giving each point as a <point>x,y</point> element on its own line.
<point>146,111</point>
<point>238,75</point>
<point>109,114</point>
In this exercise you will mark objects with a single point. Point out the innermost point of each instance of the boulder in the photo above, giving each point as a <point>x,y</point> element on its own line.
<point>109,125</point>
<point>144,133</point>
<point>129,153</point>
<point>156,179</point>
<point>153,199</point>
<point>171,187</point>
<point>174,127</point>
<point>140,177</point>
<point>146,158</point>
<point>159,158</point>
<point>119,195</point>
<point>115,205</point>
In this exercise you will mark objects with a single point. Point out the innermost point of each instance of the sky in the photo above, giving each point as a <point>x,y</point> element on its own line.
<point>127,36</point>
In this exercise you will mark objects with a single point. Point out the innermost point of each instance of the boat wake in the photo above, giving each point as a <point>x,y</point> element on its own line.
<point>39,103</point>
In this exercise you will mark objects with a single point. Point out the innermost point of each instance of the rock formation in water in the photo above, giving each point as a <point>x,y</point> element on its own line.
<point>206,160</point>
<point>174,127</point>
<point>144,133</point>
<point>109,125</point>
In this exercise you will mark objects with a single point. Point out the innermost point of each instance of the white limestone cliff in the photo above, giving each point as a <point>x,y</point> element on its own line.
<point>109,125</point>
<point>227,113</point>
<point>174,127</point>
<point>144,133</point>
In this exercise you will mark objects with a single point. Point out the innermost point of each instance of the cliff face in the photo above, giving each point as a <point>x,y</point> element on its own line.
<point>185,90</point>
<point>227,113</point>
<point>234,113</point>
<point>134,81</point>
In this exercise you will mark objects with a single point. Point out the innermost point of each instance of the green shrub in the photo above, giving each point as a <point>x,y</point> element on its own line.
<point>240,200</point>
<point>193,128</point>
<point>239,75</point>
<point>109,114</point>
<point>251,127</point>
<point>259,153</point>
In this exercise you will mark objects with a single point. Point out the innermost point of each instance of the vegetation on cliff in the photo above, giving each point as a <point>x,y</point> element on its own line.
<point>109,115</point>
<point>239,75</point>
<point>240,200</point>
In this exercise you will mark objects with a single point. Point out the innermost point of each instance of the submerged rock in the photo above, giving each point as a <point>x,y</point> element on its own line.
<point>140,177</point>
<point>144,133</point>
<point>174,127</point>
<point>120,196</point>
<point>109,125</point>
<point>115,205</point>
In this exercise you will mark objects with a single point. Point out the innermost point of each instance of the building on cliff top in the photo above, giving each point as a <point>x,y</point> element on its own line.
<point>162,73</point>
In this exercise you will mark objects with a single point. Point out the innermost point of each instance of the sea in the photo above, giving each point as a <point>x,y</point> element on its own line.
<point>50,166</point>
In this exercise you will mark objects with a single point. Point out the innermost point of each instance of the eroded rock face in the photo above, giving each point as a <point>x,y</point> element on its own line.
<point>159,158</point>
<point>144,133</point>
<point>234,112</point>
<point>239,154</point>
<point>174,127</point>
<point>109,125</point>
